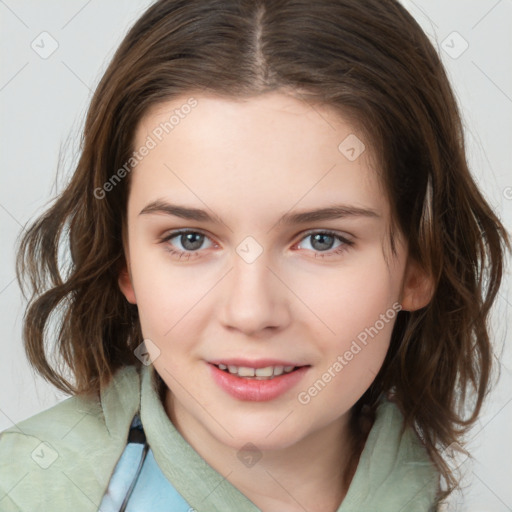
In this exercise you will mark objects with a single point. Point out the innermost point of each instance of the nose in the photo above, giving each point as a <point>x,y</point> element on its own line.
<point>254,299</point>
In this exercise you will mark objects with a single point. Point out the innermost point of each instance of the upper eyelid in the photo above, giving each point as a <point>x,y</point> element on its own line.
<point>174,233</point>
<point>346,236</point>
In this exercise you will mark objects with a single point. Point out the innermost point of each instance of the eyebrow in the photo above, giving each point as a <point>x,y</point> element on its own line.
<point>319,214</point>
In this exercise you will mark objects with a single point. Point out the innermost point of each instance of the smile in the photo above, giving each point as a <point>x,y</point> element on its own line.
<point>256,387</point>
<point>266,373</point>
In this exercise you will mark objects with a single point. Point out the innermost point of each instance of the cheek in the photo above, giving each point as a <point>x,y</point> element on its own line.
<point>349,299</point>
<point>170,300</point>
<point>356,309</point>
<point>156,298</point>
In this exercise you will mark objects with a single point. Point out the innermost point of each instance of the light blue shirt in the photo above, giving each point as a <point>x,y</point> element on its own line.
<point>152,490</point>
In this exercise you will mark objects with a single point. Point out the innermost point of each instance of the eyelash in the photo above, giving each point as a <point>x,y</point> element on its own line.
<point>346,244</point>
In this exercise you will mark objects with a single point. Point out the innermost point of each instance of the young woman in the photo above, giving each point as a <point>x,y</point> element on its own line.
<point>281,272</point>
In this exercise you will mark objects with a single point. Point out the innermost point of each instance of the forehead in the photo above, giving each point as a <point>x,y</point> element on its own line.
<point>268,121</point>
<point>269,150</point>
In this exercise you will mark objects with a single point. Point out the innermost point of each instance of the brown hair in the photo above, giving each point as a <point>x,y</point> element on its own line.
<point>370,60</point>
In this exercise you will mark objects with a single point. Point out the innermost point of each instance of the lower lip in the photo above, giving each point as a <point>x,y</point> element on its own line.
<point>256,390</point>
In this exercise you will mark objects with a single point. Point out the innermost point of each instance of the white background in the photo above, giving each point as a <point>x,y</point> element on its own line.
<point>43,102</point>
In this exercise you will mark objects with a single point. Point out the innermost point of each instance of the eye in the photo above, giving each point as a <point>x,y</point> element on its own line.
<point>323,242</point>
<point>190,241</point>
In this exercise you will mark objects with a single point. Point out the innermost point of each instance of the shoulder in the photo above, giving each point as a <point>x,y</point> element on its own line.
<point>67,450</point>
<point>404,445</point>
<point>395,442</point>
<point>395,471</point>
<point>52,423</point>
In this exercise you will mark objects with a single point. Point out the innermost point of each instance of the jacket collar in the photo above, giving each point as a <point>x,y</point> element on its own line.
<point>201,486</point>
<point>394,472</point>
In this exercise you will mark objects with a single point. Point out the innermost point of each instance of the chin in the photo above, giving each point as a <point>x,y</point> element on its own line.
<point>265,436</point>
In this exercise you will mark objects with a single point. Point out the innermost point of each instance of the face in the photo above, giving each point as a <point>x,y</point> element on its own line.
<point>227,266</point>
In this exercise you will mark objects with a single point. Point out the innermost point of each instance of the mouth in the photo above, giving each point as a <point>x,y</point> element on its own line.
<point>269,372</point>
<point>260,382</point>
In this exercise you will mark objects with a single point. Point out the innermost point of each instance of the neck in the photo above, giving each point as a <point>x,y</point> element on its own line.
<point>308,475</point>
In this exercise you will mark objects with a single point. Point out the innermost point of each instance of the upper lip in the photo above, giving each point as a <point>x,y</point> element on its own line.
<point>256,363</point>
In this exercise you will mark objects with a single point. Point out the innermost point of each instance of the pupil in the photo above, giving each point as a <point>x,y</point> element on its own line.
<point>321,237</point>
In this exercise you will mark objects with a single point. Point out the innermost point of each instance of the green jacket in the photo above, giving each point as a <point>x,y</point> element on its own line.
<point>62,459</point>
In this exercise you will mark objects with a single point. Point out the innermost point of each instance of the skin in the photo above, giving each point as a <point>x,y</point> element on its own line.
<point>249,162</point>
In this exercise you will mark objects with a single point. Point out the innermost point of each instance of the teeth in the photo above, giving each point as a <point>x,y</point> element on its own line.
<point>243,371</point>
<point>278,370</point>
<point>264,372</point>
<point>257,373</point>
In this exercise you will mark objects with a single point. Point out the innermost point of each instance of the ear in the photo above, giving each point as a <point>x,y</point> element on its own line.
<point>126,284</point>
<point>417,287</point>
